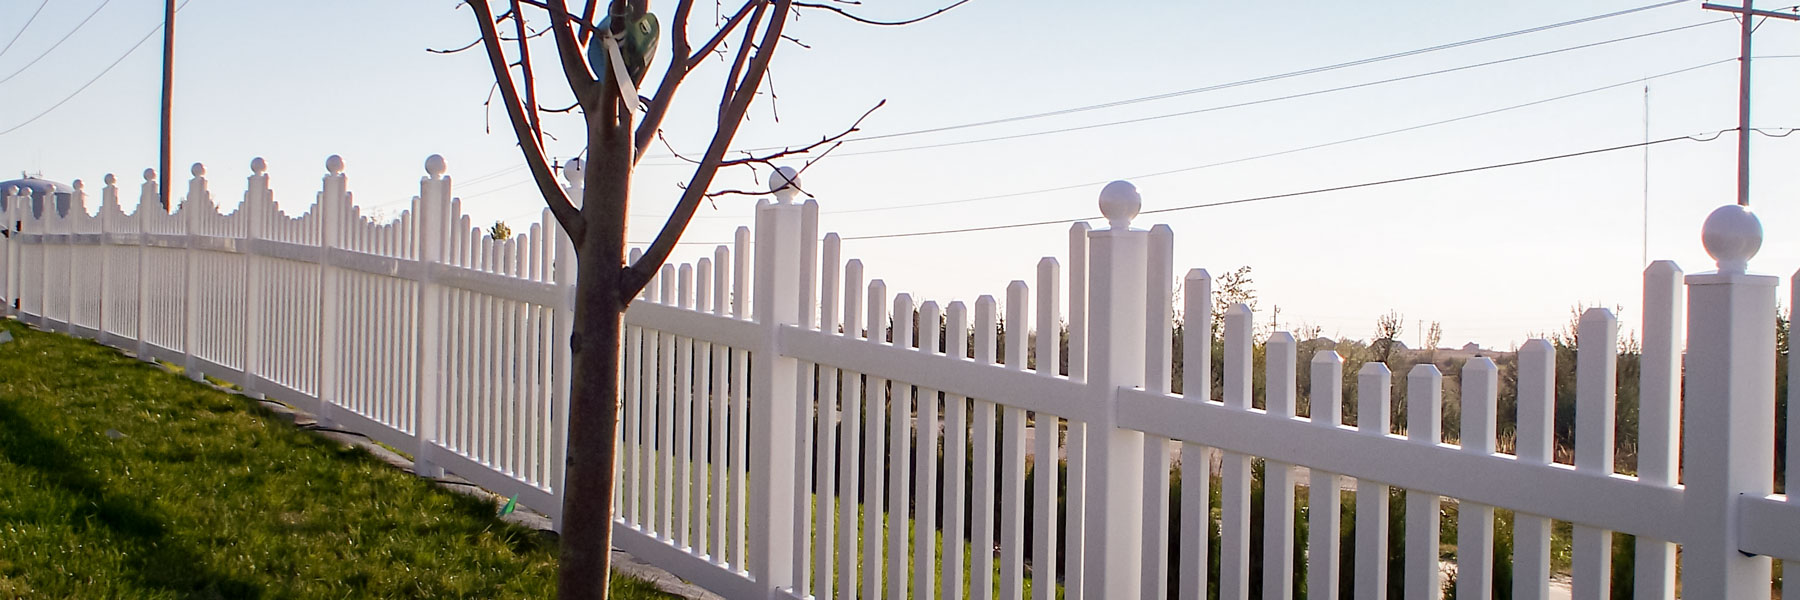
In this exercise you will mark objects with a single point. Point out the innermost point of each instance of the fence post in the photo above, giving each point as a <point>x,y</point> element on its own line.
<point>189,301</point>
<point>77,206</point>
<point>332,208</point>
<point>563,328</point>
<point>430,210</point>
<point>256,199</point>
<point>1730,402</point>
<point>8,290</point>
<point>1115,479</point>
<point>149,194</point>
<point>773,381</point>
<point>109,206</point>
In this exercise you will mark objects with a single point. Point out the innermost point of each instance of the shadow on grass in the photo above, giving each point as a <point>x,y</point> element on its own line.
<point>155,559</point>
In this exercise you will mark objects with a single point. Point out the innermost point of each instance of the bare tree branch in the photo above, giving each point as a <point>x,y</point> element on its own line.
<point>558,201</point>
<point>537,125</point>
<point>737,64</point>
<point>587,16</point>
<point>858,19</point>
<point>719,36</point>
<point>638,274</point>
<point>671,147</point>
<point>586,23</point>
<point>673,75</point>
<point>566,109</point>
<point>786,152</point>
<point>574,65</point>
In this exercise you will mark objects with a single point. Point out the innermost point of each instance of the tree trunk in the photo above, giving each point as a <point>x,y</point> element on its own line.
<point>594,384</point>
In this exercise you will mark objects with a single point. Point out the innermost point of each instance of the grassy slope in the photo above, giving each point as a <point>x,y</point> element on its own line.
<point>203,496</point>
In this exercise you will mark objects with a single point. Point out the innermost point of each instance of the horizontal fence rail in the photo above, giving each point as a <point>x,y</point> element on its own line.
<point>792,428</point>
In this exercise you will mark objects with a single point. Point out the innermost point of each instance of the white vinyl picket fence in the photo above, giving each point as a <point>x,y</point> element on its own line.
<point>791,430</point>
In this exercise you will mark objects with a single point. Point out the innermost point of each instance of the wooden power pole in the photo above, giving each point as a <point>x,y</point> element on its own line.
<point>1744,14</point>
<point>168,93</point>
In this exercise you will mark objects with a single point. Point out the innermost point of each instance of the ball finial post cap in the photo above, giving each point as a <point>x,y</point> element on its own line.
<point>434,166</point>
<point>334,165</point>
<point>109,179</point>
<point>149,174</point>
<point>574,171</point>
<point>784,183</point>
<point>1732,235</point>
<point>199,170</point>
<point>1120,202</point>
<point>258,166</point>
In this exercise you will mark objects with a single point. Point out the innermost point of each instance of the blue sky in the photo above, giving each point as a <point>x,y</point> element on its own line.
<point>1494,255</point>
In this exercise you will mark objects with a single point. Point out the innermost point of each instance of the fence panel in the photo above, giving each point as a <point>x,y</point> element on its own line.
<point>915,439</point>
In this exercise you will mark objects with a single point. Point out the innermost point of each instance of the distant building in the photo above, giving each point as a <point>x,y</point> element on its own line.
<point>38,188</point>
<point>1471,347</point>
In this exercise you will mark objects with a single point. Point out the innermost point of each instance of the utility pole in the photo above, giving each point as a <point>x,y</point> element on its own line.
<point>168,93</point>
<point>1744,14</point>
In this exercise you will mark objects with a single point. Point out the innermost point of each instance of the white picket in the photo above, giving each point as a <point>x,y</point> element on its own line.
<point>1324,497</point>
<point>983,448</point>
<point>925,498</point>
<point>1011,515</point>
<point>1373,385</point>
<point>956,456</point>
<point>899,488</point>
<point>874,423</point>
<point>1424,425</point>
<point>850,478</point>
<point>1535,434</point>
<point>1048,430</point>
<point>1475,522</point>
<point>1282,377</point>
<point>1234,487</point>
<point>1596,375</point>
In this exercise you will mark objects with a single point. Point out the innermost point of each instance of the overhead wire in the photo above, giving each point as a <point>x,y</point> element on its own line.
<point>22,28</point>
<point>90,82</point>
<point>59,42</point>
<point>1707,137</point>
<point>1284,151</point>
<point>1253,80</point>
<point>1277,98</point>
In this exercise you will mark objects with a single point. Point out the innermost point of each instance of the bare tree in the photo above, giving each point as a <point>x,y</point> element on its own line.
<point>1388,328</point>
<point>616,139</point>
<point>1433,336</point>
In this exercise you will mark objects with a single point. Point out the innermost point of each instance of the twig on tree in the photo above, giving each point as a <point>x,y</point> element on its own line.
<point>786,152</point>
<point>848,15</point>
<point>796,41</point>
<point>666,144</point>
<point>554,196</point>
<point>566,109</point>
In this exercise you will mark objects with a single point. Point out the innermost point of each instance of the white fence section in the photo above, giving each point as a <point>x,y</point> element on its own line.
<point>791,430</point>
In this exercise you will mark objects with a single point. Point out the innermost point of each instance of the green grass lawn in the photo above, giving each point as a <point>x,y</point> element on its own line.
<point>125,481</point>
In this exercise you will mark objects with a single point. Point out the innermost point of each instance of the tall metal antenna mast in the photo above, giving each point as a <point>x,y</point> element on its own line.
<point>1744,14</point>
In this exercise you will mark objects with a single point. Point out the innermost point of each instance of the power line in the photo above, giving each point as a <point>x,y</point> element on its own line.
<point>1367,184</point>
<point>1286,151</point>
<point>59,41</point>
<point>22,28</point>
<point>90,82</point>
<point>1254,80</point>
<point>1278,98</point>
